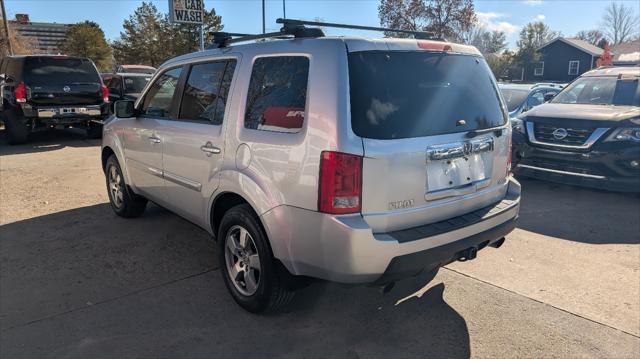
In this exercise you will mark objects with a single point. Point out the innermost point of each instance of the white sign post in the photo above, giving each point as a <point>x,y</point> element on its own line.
<point>188,12</point>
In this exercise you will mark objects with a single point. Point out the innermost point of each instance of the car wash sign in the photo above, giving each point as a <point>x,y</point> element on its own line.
<point>186,11</point>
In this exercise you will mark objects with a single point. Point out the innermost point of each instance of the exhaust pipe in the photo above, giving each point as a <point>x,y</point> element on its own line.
<point>497,244</point>
<point>468,254</point>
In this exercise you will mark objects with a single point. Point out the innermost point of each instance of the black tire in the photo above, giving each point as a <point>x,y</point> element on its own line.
<point>130,205</point>
<point>94,131</point>
<point>272,293</point>
<point>17,131</point>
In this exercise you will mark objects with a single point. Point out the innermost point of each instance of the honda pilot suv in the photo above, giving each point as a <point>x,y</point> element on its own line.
<point>588,135</point>
<point>342,159</point>
<point>41,92</point>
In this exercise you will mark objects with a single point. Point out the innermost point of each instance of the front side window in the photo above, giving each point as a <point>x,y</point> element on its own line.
<point>157,102</point>
<point>206,91</point>
<point>277,94</point>
<point>601,91</point>
<point>574,66</point>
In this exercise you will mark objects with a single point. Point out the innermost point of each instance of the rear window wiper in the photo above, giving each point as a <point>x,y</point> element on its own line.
<point>497,130</point>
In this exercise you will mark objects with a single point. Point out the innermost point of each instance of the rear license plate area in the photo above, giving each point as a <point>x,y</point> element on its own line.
<point>460,164</point>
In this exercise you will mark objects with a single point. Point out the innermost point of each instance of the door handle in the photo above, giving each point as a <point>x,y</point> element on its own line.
<point>154,139</point>
<point>210,149</point>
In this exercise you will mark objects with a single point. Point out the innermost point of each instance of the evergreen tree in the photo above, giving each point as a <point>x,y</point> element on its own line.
<point>86,39</point>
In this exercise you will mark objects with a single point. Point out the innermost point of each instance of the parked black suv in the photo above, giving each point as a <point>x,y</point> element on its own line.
<point>39,92</point>
<point>589,134</point>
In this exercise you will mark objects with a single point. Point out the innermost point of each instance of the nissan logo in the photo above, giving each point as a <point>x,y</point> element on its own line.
<point>560,133</point>
<point>66,89</point>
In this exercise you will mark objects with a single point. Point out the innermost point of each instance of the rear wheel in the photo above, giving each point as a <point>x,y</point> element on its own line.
<point>17,131</point>
<point>123,201</point>
<point>249,271</point>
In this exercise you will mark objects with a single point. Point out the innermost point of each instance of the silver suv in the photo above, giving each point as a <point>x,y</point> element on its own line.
<point>343,159</point>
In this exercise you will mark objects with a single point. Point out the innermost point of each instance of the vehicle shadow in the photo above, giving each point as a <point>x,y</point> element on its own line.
<point>84,282</point>
<point>579,214</point>
<point>49,140</point>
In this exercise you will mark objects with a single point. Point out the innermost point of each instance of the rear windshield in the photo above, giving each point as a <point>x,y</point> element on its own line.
<point>62,70</point>
<point>135,84</point>
<point>514,98</point>
<point>416,94</point>
<point>601,91</point>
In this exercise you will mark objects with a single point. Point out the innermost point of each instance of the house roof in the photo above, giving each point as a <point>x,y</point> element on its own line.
<point>578,44</point>
<point>626,52</point>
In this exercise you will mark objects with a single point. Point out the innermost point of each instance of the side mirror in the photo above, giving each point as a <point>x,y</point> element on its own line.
<point>124,109</point>
<point>549,96</point>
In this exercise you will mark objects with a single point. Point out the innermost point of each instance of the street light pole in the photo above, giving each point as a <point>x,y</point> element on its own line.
<point>264,30</point>
<point>284,10</point>
<point>6,27</point>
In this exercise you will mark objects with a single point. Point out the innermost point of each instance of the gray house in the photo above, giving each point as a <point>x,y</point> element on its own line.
<point>562,60</point>
<point>626,53</point>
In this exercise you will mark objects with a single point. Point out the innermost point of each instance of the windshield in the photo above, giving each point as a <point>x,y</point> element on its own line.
<point>415,94</point>
<point>514,98</point>
<point>601,91</point>
<point>135,84</point>
<point>60,70</point>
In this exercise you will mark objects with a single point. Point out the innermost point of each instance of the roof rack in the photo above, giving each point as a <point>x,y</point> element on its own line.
<point>424,35</point>
<point>298,29</point>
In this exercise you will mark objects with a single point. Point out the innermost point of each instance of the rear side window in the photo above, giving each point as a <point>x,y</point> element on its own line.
<point>277,94</point>
<point>158,100</point>
<point>59,70</point>
<point>206,91</point>
<point>416,94</point>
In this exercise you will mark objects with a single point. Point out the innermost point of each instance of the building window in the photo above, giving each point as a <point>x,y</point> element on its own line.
<point>574,67</point>
<point>539,70</point>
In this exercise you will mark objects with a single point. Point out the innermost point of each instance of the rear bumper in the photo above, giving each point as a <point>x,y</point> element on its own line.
<point>605,166</point>
<point>345,249</point>
<point>65,115</point>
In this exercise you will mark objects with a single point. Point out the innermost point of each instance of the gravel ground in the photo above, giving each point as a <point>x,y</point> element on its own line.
<point>76,281</point>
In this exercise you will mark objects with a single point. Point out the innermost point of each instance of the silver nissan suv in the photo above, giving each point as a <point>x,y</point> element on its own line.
<point>342,159</point>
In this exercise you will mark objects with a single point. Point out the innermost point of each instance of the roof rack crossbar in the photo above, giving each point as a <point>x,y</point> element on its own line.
<point>417,34</point>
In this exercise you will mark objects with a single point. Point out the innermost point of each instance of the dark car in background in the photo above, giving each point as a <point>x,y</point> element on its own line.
<point>588,134</point>
<point>44,91</point>
<point>125,86</point>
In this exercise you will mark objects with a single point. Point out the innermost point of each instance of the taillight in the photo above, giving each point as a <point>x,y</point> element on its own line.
<point>21,92</point>
<point>105,93</point>
<point>340,189</point>
<point>510,154</point>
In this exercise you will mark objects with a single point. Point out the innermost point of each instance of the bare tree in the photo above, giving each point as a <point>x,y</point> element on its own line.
<point>445,18</point>
<point>620,23</point>
<point>594,37</point>
<point>22,45</point>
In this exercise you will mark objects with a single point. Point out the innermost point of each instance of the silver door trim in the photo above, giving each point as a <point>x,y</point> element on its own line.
<point>141,166</point>
<point>595,136</point>
<point>185,182</point>
<point>562,172</point>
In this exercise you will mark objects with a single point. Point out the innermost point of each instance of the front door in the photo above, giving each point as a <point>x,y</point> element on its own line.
<point>194,141</point>
<point>143,143</point>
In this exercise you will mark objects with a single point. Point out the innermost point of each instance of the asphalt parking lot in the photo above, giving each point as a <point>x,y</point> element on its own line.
<point>78,282</point>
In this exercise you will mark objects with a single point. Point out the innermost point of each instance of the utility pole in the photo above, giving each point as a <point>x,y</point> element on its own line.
<point>6,27</point>
<point>264,29</point>
<point>284,10</point>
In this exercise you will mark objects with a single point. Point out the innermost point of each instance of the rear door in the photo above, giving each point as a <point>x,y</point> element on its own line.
<point>433,130</point>
<point>61,80</point>
<point>194,139</point>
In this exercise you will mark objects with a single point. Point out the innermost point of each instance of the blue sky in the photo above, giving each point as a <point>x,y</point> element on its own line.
<point>567,16</point>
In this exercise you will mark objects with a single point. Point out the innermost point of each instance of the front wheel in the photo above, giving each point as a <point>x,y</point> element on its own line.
<point>123,201</point>
<point>250,273</point>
